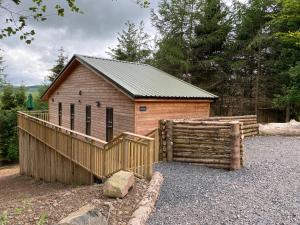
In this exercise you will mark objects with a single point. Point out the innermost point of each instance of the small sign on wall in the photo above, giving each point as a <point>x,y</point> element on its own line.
<point>143,108</point>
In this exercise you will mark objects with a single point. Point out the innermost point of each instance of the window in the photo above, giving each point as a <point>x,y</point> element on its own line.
<point>88,115</point>
<point>109,124</point>
<point>72,116</point>
<point>59,113</point>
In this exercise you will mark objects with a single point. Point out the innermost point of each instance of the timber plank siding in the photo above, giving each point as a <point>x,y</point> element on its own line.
<point>93,88</point>
<point>147,120</point>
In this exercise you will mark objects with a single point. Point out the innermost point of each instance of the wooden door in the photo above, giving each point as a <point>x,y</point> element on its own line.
<point>109,124</point>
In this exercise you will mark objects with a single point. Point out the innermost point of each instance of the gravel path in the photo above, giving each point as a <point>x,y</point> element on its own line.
<point>266,191</point>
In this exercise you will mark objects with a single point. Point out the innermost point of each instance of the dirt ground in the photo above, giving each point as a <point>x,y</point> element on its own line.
<point>25,201</point>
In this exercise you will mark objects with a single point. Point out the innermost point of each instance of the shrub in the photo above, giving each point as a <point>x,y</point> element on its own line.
<point>8,134</point>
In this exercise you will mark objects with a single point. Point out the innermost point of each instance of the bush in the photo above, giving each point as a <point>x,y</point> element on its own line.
<point>8,134</point>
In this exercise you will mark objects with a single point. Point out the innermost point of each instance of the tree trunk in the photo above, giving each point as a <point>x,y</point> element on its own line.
<point>287,113</point>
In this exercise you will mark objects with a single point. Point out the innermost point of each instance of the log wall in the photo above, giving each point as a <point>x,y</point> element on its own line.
<point>210,143</point>
<point>249,123</point>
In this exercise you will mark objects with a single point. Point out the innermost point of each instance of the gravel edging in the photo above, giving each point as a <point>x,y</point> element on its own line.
<point>147,204</point>
<point>266,191</point>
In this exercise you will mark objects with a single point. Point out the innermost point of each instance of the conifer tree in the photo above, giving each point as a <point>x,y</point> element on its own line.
<point>133,44</point>
<point>60,64</point>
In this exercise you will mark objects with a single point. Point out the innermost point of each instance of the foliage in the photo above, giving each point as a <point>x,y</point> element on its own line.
<point>60,64</point>
<point>209,44</point>
<point>15,20</point>
<point>8,98</point>
<point>38,103</point>
<point>3,218</point>
<point>8,134</point>
<point>43,219</point>
<point>175,21</point>
<point>286,27</point>
<point>20,95</point>
<point>132,44</point>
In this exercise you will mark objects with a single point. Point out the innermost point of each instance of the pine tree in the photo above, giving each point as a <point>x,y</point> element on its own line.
<point>60,64</point>
<point>286,28</point>
<point>209,44</point>
<point>8,100</point>
<point>133,44</point>
<point>175,21</point>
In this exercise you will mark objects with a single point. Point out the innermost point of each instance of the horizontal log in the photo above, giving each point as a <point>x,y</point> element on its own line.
<point>201,156</point>
<point>206,161</point>
<point>244,127</point>
<point>203,150</point>
<point>186,139</point>
<point>197,123</point>
<point>201,146</point>
<point>197,132</point>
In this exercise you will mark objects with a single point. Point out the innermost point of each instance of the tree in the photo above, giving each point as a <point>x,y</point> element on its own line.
<point>8,99</point>
<point>209,60</point>
<point>20,95</point>
<point>175,21</point>
<point>133,44</point>
<point>38,103</point>
<point>286,28</point>
<point>60,64</point>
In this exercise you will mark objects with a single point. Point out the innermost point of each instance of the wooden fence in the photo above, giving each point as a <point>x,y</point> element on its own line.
<point>54,153</point>
<point>155,134</point>
<point>249,123</point>
<point>43,115</point>
<point>211,143</point>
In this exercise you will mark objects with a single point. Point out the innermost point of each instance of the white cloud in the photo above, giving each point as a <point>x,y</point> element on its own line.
<point>90,33</point>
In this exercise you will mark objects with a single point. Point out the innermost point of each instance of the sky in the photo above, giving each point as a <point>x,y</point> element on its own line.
<point>90,33</point>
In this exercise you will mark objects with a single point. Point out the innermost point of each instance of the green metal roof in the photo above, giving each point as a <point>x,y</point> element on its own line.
<point>142,80</point>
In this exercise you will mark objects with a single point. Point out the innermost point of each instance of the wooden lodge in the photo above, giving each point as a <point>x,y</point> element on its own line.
<point>103,98</point>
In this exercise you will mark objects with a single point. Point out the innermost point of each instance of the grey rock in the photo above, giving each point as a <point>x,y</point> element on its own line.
<point>87,215</point>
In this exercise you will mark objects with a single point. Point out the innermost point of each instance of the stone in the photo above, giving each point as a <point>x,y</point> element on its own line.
<point>118,185</point>
<point>87,214</point>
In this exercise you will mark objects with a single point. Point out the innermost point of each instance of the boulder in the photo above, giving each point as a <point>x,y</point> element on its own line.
<point>86,215</point>
<point>118,185</point>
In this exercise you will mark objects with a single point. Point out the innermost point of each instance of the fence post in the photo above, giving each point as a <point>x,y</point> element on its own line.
<point>235,155</point>
<point>169,137</point>
<point>149,163</point>
<point>163,142</point>
<point>125,152</point>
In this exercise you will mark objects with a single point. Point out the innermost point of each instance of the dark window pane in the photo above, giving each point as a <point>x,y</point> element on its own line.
<point>88,118</point>
<point>59,113</point>
<point>72,116</point>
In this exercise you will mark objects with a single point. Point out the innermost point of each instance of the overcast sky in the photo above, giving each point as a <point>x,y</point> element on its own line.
<point>90,33</point>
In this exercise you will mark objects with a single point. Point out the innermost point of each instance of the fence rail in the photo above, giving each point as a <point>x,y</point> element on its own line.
<point>43,115</point>
<point>54,153</point>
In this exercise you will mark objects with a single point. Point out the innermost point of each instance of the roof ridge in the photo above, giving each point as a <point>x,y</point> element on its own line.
<point>114,60</point>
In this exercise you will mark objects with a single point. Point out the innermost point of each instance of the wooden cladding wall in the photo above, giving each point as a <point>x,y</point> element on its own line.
<point>211,143</point>
<point>54,153</point>
<point>83,87</point>
<point>249,123</point>
<point>155,110</point>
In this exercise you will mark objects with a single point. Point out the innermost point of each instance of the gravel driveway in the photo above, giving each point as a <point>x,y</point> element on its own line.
<point>266,191</point>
